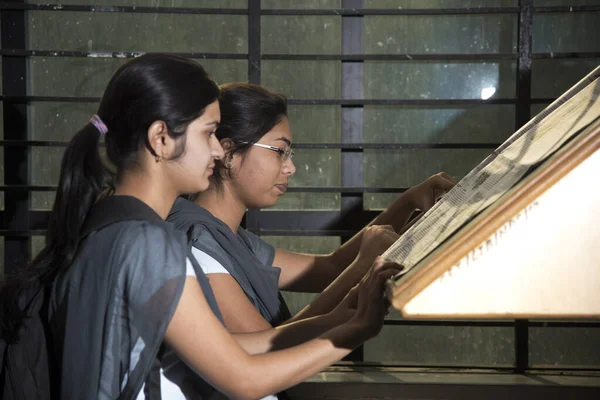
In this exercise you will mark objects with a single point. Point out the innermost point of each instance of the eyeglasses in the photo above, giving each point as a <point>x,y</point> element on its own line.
<point>284,154</point>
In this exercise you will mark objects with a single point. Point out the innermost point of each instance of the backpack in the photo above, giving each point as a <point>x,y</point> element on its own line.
<point>25,372</point>
<point>27,365</point>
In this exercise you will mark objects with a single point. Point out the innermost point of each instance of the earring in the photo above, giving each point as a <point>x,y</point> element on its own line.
<point>228,161</point>
<point>157,158</point>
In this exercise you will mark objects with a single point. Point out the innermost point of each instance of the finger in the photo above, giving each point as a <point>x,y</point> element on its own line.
<point>384,228</point>
<point>391,235</point>
<point>381,264</point>
<point>446,181</point>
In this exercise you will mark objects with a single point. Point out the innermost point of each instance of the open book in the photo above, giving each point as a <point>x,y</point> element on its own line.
<point>519,235</point>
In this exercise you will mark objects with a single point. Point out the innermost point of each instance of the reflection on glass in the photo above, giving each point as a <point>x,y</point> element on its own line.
<point>438,80</point>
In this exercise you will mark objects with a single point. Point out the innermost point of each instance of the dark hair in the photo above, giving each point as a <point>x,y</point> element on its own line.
<point>148,88</point>
<point>248,112</point>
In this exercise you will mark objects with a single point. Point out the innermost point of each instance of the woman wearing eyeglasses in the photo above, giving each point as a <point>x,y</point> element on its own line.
<point>245,272</point>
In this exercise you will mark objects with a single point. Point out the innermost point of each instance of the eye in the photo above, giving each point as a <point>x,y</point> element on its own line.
<point>211,133</point>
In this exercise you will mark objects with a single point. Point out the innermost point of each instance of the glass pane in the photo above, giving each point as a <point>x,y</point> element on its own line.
<point>45,170</point>
<point>535,109</point>
<point>421,34</point>
<point>63,76</point>
<point>439,80</point>
<point>317,168</point>
<point>551,78</point>
<point>155,3</point>
<point>541,3</point>
<point>303,244</point>
<point>314,168</point>
<point>568,32</point>
<point>315,124</point>
<point>406,168</point>
<point>440,3</point>
<point>303,79</point>
<point>439,124</point>
<point>103,31</point>
<point>559,347</point>
<point>37,244</point>
<point>58,121</point>
<point>378,201</point>
<point>443,345</point>
<point>223,71</point>
<point>320,34</point>
<point>88,77</point>
<point>42,201</point>
<point>307,202</point>
<point>309,4</point>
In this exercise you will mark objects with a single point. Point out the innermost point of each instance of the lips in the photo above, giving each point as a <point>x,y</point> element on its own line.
<point>282,187</point>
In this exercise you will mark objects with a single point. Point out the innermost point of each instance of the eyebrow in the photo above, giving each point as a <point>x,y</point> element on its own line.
<point>286,140</point>
<point>215,123</point>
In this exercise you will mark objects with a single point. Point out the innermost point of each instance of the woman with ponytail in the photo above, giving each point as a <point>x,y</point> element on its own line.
<point>122,282</point>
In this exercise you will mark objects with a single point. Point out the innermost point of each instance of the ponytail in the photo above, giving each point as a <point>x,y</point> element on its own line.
<point>82,178</point>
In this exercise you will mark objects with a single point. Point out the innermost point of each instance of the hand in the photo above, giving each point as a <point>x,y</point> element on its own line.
<point>424,195</point>
<point>350,301</point>
<point>376,239</point>
<point>372,305</point>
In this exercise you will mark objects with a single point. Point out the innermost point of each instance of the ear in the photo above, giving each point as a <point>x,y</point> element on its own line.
<point>163,145</point>
<point>227,145</point>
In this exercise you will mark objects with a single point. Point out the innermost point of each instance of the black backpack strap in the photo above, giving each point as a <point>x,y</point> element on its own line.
<point>107,211</point>
<point>112,209</point>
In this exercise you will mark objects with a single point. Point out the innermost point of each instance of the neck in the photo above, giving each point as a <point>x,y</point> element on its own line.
<point>224,205</point>
<point>156,193</point>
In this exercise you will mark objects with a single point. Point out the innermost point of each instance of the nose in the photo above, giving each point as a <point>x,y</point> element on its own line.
<point>288,167</point>
<point>216,150</point>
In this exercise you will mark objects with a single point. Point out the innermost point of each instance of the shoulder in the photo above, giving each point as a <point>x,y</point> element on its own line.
<point>148,245</point>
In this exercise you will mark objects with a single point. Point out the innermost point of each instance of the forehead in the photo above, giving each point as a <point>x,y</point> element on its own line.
<point>211,114</point>
<point>281,130</point>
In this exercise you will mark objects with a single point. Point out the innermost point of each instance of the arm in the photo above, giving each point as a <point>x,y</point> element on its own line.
<point>375,241</point>
<point>239,314</point>
<point>241,317</point>
<point>222,362</point>
<point>312,273</point>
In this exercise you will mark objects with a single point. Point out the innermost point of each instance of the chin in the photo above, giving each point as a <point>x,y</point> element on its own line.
<point>202,186</point>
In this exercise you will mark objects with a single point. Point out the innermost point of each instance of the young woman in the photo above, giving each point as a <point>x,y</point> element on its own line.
<point>120,278</point>
<point>245,272</point>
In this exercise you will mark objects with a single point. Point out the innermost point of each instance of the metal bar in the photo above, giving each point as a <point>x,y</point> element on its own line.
<point>482,323</point>
<point>305,232</point>
<point>299,189</point>
<point>7,5</point>
<point>499,323</point>
<point>342,146</point>
<point>391,57</point>
<point>342,102</point>
<point>523,115</point>
<point>400,102</point>
<point>16,162</point>
<point>251,219</point>
<point>351,168</point>
<point>294,57</point>
<point>386,146</point>
<point>114,54</point>
<point>313,220</point>
<point>566,9</point>
<point>361,12</point>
